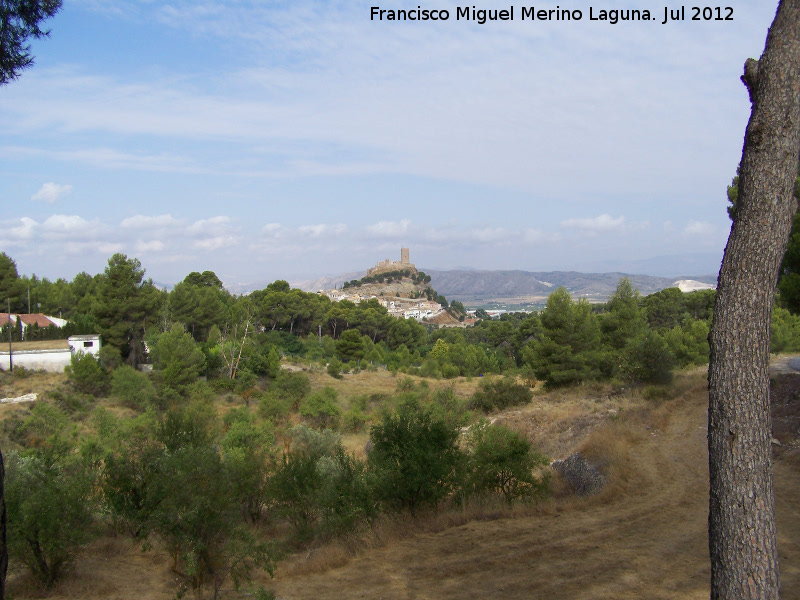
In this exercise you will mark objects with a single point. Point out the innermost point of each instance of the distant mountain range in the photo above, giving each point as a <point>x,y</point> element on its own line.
<point>521,288</point>
<point>525,287</point>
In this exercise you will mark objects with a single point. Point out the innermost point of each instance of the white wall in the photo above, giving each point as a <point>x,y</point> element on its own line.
<point>53,361</point>
<point>79,344</point>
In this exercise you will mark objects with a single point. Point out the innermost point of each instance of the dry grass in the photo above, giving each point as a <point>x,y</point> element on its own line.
<point>367,383</point>
<point>40,345</point>
<point>643,537</point>
<point>13,384</point>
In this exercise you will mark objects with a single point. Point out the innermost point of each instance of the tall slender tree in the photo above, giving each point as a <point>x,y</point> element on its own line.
<point>124,301</point>
<point>742,535</point>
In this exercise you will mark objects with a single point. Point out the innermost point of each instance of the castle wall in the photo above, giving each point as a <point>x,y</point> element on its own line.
<point>393,265</point>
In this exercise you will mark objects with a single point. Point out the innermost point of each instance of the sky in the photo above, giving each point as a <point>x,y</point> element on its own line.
<point>293,139</point>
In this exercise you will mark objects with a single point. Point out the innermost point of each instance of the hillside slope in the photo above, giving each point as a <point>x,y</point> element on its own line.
<point>648,540</point>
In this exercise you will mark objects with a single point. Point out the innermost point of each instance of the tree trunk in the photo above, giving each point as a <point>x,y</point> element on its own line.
<point>3,546</point>
<point>742,536</point>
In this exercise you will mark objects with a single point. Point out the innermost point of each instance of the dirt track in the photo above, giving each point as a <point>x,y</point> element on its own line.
<point>647,542</point>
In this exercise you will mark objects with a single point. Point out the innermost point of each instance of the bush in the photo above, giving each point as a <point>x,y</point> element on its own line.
<point>353,420</point>
<point>49,497</point>
<point>317,443</point>
<point>87,375</point>
<point>132,387</point>
<point>271,407</point>
<point>647,359</point>
<point>450,371</point>
<point>294,489</point>
<point>499,394</point>
<point>291,386</point>
<point>501,461</point>
<point>346,497</point>
<point>334,368</point>
<point>414,457</point>
<point>320,407</point>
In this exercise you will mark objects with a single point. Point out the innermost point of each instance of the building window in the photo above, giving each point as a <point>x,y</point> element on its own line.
<point>88,344</point>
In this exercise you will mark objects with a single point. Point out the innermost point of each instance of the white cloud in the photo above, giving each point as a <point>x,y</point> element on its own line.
<point>109,247</point>
<point>322,229</point>
<point>537,236</point>
<point>51,192</point>
<point>25,230</point>
<point>215,242</point>
<point>273,229</point>
<point>389,228</point>
<point>145,222</point>
<point>604,222</point>
<point>214,224</point>
<point>490,234</point>
<point>699,228</point>
<point>68,224</point>
<point>151,246</point>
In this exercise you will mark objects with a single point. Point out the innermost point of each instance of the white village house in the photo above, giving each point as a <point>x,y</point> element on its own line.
<point>52,355</point>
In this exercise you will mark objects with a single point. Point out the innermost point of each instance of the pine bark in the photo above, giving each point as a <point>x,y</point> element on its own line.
<point>742,534</point>
<point>3,524</point>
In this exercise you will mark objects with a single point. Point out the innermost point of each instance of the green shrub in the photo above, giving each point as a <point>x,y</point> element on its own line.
<point>87,375</point>
<point>430,368</point>
<point>501,461</point>
<point>271,407</point>
<point>450,371</point>
<point>321,408</point>
<point>49,496</point>
<point>291,386</point>
<point>71,401</point>
<point>647,359</point>
<point>346,496</point>
<point>334,368</point>
<point>785,331</point>
<point>132,387</point>
<point>353,420</point>
<point>498,394</point>
<point>414,457</point>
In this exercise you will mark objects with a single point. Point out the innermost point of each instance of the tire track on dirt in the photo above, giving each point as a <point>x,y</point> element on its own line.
<point>648,542</point>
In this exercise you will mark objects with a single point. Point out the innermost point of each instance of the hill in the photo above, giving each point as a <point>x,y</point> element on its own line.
<point>532,288</point>
<point>525,288</point>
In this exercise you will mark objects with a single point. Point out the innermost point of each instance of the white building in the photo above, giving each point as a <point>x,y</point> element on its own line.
<point>50,356</point>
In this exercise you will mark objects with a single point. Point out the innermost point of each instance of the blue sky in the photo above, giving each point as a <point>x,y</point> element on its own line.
<point>293,139</point>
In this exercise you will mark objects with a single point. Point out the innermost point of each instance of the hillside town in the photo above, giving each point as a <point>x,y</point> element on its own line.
<point>395,297</point>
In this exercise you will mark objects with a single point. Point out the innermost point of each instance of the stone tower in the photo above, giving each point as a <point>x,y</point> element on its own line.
<point>404,256</point>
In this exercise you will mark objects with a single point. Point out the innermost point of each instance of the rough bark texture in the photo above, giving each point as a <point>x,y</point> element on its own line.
<point>742,536</point>
<point>3,546</point>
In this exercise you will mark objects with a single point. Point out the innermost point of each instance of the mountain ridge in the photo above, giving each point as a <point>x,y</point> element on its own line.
<point>519,287</point>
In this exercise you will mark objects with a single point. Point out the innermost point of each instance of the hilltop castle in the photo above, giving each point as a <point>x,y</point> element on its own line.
<point>393,265</point>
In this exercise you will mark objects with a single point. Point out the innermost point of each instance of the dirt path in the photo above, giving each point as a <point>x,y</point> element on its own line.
<point>649,542</point>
